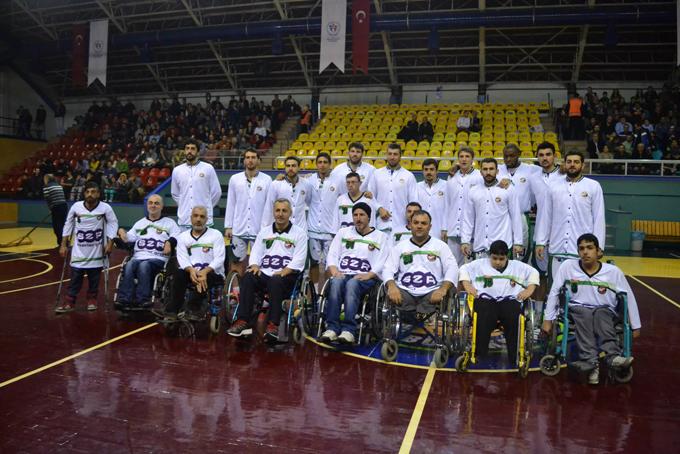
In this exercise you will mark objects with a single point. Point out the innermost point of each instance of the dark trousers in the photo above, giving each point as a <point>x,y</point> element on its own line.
<point>77,275</point>
<point>58,220</point>
<point>488,313</point>
<point>279,288</point>
<point>181,281</point>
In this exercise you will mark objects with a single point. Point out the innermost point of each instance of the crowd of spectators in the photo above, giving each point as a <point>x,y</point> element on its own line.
<point>642,127</point>
<point>129,150</point>
<point>468,121</point>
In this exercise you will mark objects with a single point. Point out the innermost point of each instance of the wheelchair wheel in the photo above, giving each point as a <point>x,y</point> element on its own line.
<point>441,357</point>
<point>231,296</point>
<point>378,319</point>
<point>186,329</point>
<point>462,363</point>
<point>389,350</point>
<point>215,323</point>
<point>550,365</point>
<point>308,315</point>
<point>298,334</point>
<point>622,375</point>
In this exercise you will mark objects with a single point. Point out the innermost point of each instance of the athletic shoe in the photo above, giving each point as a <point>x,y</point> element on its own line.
<point>91,304</point>
<point>64,308</point>
<point>329,336</point>
<point>346,337</point>
<point>272,333</point>
<point>240,328</point>
<point>621,362</point>
<point>594,376</point>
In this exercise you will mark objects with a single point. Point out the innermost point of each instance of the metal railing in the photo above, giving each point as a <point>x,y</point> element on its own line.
<point>10,126</point>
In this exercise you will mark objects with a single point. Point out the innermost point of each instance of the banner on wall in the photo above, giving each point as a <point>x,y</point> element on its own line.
<point>99,43</point>
<point>361,29</point>
<point>78,53</point>
<point>333,34</point>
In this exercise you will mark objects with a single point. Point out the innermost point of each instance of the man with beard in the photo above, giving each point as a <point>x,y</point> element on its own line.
<point>355,164</point>
<point>194,183</point>
<point>432,197</point>
<point>94,225</point>
<point>277,258</point>
<point>458,186</point>
<point>491,213</point>
<point>298,191</point>
<point>540,182</point>
<point>356,257</point>
<point>420,271</point>
<point>393,187</point>
<point>246,198</point>
<point>521,175</point>
<point>200,259</point>
<point>572,207</point>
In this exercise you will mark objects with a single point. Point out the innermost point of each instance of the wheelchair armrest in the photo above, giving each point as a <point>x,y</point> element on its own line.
<point>120,244</point>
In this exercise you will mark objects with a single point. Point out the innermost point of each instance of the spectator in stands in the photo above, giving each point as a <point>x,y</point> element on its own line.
<point>77,191</point>
<point>40,117</point>
<point>306,119</point>
<point>67,182</point>
<point>56,203</point>
<point>464,122</point>
<point>475,124</point>
<point>136,190</point>
<point>59,114</point>
<point>122,187</point>
<point>426,130</point>
<point>623,128</point>
<point>575,112</point>
<point>109,185</point>
<point>594,145</point>
<point>410,131</point>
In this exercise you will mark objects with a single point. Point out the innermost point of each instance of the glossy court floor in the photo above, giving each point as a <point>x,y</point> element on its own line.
<point>90,382</point>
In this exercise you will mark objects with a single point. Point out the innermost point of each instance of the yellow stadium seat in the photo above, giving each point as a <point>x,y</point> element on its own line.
<point>498,154</point>
<point>337,152</point>
<point>422,153</point>
<point>424,145</point>
<point>378,163</point>
<point>280,163</point>
<point>475,137</point>
<point>409,153</point>
<point>434,153</point>
<point>411,145</point>
<point>436,146</point>
<point>486,154</point>
<point>308,146</point>
<point>511,137</point>
<point>498,145</point>
<point>526,154</point>
<point>372,153</point>
<point>391,136</point>
<point>444,165</point>
<point>438,137</point>
<point>447,153</point>
<point>537,137</point>
<point>450,137</point>
<point>347,136</point>
<point>417,165</point>
<point>406,163</point>
<point>307,164</point>
<point>290,152</point>
<point>462,136</point>
<point>303,137</point>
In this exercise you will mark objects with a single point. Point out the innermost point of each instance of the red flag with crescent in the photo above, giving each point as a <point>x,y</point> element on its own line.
<point>361,28</point>
<point>78,54</point>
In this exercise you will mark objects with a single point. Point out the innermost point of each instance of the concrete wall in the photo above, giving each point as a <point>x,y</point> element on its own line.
<point>14,92</point>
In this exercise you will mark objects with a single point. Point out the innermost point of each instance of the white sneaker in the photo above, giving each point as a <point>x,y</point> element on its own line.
<point>329,336</point>
<point>621,361</point>
<point>346,337</point>
<point>594,376</point>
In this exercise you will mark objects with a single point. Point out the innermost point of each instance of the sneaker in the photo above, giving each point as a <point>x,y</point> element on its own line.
<point>594,376</point>
<point>240,328</point>
<point>329,336</point>
<point>91,304</point>
<point>621,362</point>
<point>64,308</point>
<point>272,332</point>
<point>346,337</point>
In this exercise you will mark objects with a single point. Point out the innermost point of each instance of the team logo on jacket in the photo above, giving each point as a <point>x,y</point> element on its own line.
<point>431,257</point>
<point>440,193</point>
<point>206,250</point>
<point>401,180</point>
<point>332,188</point>
<point>289,245</point>
<point>371,247</point>
<point>159,231</point>
<point>259,188</point>
<point>201,174</point>
<point>522,180</point>
<point>512,283</point>
<point>302,192</point>
<point>584,194</point>
<point>498,200</point>
<point>602,290</point>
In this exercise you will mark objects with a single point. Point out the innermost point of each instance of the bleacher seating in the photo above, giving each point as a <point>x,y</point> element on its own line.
<point>378,125</point>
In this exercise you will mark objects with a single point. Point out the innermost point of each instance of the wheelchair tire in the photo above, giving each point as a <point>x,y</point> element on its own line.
<point>441,357</point>
<point>389,350</point>
<point>550,365</point>
<point>230,299</point>
<point>215,324</point>
<point>186,330</point>
<point>622,375</point>
<point>298,334</point>
<point>461,363</point>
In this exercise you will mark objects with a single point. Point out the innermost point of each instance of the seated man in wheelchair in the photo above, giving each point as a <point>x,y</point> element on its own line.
<point>592,307</point>
<point>499,286</point>
<point>153,237</point>
<point>420,271</point>
<point>355,259</point>
<point>200,260</point>
<point>277,258</point>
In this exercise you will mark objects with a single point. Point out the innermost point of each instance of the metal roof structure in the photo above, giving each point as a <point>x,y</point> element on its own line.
<point>189,45</point>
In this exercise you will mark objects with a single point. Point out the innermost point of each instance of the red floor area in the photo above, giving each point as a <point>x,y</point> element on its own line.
<point>152,393</point>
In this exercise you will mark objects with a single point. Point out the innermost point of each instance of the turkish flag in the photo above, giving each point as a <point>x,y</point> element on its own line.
<point>361,28</point>
<point>78,54</point>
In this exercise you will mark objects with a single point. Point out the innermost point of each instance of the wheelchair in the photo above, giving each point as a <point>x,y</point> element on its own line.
<point>557,344</point>
<point>200,312</point>
<point>156,292</point>
<point>466,333</point>
<point>296,319</point>
<point>367,328</point>
<point>396,326</point>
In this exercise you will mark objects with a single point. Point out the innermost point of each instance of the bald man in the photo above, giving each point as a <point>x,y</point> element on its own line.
<point>153,237</point>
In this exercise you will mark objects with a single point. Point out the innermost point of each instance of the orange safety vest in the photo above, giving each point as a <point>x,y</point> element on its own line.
<point>575,105</point>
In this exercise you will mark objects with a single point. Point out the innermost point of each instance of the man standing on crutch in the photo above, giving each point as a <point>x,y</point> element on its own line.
<point>93,225</point>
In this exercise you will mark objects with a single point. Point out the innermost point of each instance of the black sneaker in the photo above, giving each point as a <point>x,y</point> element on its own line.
<point>240,328</point>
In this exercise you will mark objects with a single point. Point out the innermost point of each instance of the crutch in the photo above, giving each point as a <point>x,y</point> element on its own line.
<point>63,267</point>
<point>105,263</point>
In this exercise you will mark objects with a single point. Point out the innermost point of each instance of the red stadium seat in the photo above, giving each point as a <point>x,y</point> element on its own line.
<point>155,172</point>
